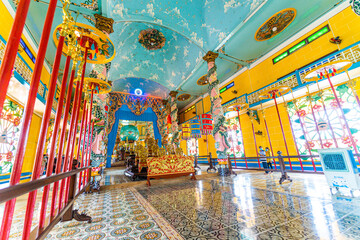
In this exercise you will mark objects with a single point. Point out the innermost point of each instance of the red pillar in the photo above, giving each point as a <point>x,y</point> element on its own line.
<point>11,49</point>
<point>56,131</point>
<point>62,139</point>
<point>42,138</point>
<point>88,172</point>
<point>65,166</point>
<point>282,130</point>
<point>256,149</point>
<point>83,120</point>
<point>72,140</point>
<point>28,113</point>
<point>271,148</point>
<point>89,136</point>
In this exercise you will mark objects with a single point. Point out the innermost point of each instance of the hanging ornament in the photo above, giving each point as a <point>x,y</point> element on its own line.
<point>206,122</point>
<point>195,128</point>
<point>186,132</point>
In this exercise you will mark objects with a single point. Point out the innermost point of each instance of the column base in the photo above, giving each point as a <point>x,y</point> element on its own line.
<point>224,171</point>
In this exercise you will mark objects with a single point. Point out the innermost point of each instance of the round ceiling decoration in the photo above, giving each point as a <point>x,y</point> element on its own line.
<point>202,81</point>
<point>152,39</point>
<point>355,6</point>
<point>183,97</point>
<point>275,24</point>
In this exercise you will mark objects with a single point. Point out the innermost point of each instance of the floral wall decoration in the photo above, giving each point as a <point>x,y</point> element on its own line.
<point>317,122</point>
<point>10,120</point>
<point>235,138</point>
<point>152,39</point>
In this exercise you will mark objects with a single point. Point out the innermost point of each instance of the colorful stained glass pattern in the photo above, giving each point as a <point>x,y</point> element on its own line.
<point>318,123</point>
<point>192,147</point>
<point>234,138</point>
<point>10,120</point>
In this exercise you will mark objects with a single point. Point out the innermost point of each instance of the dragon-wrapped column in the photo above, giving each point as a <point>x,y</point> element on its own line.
<point>175,140</point>
<point>220,131</point>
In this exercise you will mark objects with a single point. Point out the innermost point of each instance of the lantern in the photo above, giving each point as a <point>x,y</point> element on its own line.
<point>195,128</point>
<point>186,133</point>
<point>206,124</point>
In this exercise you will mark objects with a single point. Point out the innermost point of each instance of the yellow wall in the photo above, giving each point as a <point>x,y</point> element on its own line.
<point>31,144</point>
<point>345,24</point>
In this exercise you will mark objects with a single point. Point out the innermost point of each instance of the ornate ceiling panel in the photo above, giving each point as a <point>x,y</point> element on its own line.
<point>168,66</point>
<point>191,28</point>
<point>205,22</point>
<point>148,87</point>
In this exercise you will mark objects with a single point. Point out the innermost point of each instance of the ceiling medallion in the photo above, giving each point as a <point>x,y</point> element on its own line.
<point>152,39</point>
<point>183,97</point>
<point>202,80</point>
<point>355,6</point>
<point>275,24</point>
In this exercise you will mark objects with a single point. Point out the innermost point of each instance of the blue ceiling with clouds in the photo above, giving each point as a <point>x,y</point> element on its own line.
<point>191,28</point>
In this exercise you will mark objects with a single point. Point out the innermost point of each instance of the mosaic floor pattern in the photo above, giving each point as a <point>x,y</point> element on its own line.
<point>248,206</point>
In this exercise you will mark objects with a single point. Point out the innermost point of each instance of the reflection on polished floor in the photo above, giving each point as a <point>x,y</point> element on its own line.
<point>248,206</point>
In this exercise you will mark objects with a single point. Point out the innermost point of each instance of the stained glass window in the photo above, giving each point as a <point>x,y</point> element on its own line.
<point>234,138</point>
<point>10,120</point>
<point>192,147</point>
<point>318,122</point>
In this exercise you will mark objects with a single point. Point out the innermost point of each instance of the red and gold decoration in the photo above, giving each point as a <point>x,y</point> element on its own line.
<point>206,124</point>
<point>99,47</point>
<point>328,70</point>
<point>195,128</point>
<point>99,86</point>
<point>186,132</point>
<point>152,39</point>
<point>170,166</point>
<point>275,24</point>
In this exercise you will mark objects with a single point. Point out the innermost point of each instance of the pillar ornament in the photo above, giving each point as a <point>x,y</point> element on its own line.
<point>104,24</point>
<point>174,121</point>
<point>220,130</point>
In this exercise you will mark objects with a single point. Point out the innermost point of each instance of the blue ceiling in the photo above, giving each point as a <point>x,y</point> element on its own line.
<point>191,28</point>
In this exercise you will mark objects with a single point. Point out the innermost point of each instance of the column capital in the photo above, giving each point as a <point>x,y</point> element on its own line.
<point>104,24</point>
<point>210,56</point>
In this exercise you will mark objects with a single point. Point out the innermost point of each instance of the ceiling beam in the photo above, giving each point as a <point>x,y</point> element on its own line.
<point>232,59</point>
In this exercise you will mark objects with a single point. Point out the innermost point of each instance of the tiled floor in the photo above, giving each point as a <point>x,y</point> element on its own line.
<point>248,206</point>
